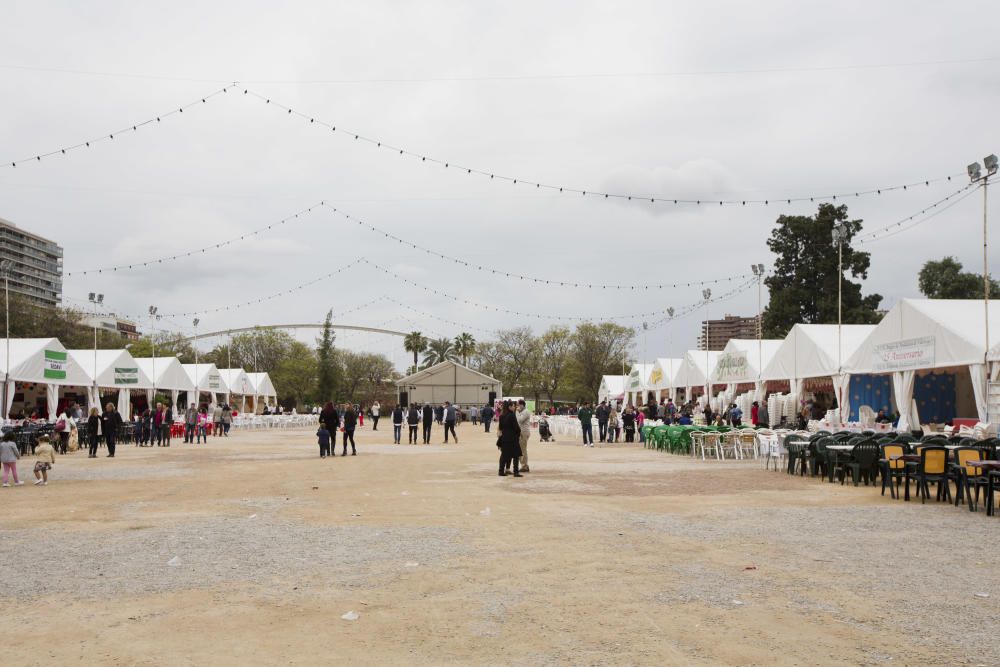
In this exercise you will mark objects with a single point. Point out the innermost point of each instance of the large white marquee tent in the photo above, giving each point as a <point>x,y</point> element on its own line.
<point>114,370</point>
<point>612,386</point>
<point>40,366</point>
<point>449,381</point>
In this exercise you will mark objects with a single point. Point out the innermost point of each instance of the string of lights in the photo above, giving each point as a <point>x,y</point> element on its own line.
<point>599,194</point>
<point>461,325</point>
<point>898,228</point>
<point>269,297</point>
<point>520,276</point>
<point>110,136</point>
<point>691,308</point>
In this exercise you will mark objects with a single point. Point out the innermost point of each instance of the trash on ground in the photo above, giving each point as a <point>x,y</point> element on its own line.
<point>351,616</point>
<point>174,562</point>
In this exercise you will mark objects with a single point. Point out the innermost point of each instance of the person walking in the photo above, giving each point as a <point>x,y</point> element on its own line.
<point>167,425</point>
<point>487,416</point>
<point>323,437</point>
<point>736,416</point>
<point>227,419</point>
<point>62,428</point>
<point>350,423</point>
<point>397,424</point>
<point>375,410</point>
<point>45,458</point>
<point>217,420</point>
<point>509,440</point>
<point>9,455</point>
<point>190,423</point>
<point>412,421</point>
<point>203,425</point>
<point>439,414</point>
<point>614,426</point>
<point>331,419</point>
<point>93,431</point>
<point>628,422</point>
<point>602,413</point>
<point>586,416</point>
<point>110,421</point>
<point>474,415</point>
<point>449,422</point>
<point>524,424</point>
<point>360,409</point>
<point>428,420</point>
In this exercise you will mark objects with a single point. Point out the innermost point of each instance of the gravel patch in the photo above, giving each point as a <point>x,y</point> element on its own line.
<point>209,552</point>
<point>114,472</point>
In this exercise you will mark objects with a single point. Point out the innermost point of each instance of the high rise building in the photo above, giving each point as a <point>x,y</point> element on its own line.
<point>721,331</point>
<point>36,270</point>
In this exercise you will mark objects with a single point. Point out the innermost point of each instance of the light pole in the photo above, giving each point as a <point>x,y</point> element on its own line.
<point>152,339</point>
<point>195,323</point>
<point>5,267</point>
<point>840,235</point>
<point>707,294</point>
<point>976,175</point>
<point>670,345</point>
<point>758,271</point>
<point>95,300</point>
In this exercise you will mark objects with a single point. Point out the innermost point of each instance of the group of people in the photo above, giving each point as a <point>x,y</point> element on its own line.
<point>330,422</point>
<point>416,415</point>
<point>45,458</point>
<point>514,430</point>
<point>196,421</point>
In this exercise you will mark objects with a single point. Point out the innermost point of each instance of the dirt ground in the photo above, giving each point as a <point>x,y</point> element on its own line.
<point>249,550</point>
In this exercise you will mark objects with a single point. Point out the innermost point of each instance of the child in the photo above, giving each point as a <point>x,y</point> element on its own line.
<point>324,441</point>
<point>45,458</point>
<point>8,457</point>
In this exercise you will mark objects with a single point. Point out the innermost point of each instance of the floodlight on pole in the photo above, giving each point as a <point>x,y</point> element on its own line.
<point>152,339</point>
<point>5,270</point>
<point>706,294</point>
<point>976,175</point>
<point>841,234</point>
<point>95,301</point>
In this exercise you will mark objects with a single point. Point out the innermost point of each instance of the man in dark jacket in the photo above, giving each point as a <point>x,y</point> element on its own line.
<point>350,423</point>
<point>412,420</point>
<point>602,413</point>
<point>397,423</point>
<point>450,417</point>
<point>486,414</point>
<point>585,414</point>
<point>428,421</point>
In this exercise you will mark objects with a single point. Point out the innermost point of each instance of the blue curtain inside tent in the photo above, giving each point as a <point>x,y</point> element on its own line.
<point>874,391</point>
<point>935,397</point>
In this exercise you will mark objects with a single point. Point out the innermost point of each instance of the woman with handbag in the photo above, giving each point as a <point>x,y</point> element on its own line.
<point>62,428</point>
<point>509,440</point>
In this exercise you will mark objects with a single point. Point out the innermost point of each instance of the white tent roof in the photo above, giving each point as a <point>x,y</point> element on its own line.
<point>743,360</point>
<point>638,376</point>
<point>237,380</point>
<point>449,381</point>
<point>42,360</point>
<point>170,373</point>
<point>692,372</point>
<point>664,373</point>
<point>209,379</point>
<point>115,368</point>
<point>262,384</point>
<point>612,386</point>
<point>925,334</point>
<point>810,350</point>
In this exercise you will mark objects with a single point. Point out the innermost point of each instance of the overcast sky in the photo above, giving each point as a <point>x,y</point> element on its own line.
<point>688,100</point>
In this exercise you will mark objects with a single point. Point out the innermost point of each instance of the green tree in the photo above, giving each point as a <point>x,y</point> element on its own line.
<point>555,350</point>
<point>355,373</point>
<point>945,279</point>
<point>261,350</point>
<point>294,378</point>
<point>416,343</point>
<point>439,350</point>
<point>803,286</point>
<point>168,344</point>
<point>327,364</point>
<point>465,347</point>
<point>598,350</point>
<point>511,358</point>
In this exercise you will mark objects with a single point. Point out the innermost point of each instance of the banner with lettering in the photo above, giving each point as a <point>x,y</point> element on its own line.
<point>904,354</point>
<point>55,365</point>
<point>126,375</point>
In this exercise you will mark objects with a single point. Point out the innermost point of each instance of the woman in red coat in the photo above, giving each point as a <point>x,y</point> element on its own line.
<point>754,410</point>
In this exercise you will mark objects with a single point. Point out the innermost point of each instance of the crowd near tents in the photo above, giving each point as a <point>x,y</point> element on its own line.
<point>929,361</point>
<point>43,377</point>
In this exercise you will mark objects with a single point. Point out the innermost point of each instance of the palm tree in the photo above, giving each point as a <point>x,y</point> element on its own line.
<point>465,347</point>
<point>438,350</point>
<point>416,343</point>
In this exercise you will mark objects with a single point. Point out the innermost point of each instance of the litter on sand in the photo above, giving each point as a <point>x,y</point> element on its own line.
<point>351,616</point>
<point>485,512</point>
<point>174,562</point>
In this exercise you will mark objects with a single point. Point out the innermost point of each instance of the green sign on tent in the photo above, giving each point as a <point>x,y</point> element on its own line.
<point>55,365</point>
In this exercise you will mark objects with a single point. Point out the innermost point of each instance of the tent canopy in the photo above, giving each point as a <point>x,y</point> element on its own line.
<point>638,376</point>
<point>206,377</point>
<point>169,375</point>
<point>664,373</point>
<point>743,360</point>
<point>237,380</point>
<point>42,360</point>
<point>921,334</point>
<point>449,381</point>
<point>810,351</point>
<point>694,368</point>
<point>262,384</point>
<point>114,369</point>
<point>612,386</point>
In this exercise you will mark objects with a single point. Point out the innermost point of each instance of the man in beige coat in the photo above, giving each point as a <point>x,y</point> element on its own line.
<point>524,422</point>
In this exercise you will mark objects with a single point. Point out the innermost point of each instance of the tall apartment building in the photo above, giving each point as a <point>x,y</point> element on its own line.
<point>719,332</point>
<point>36,270</point>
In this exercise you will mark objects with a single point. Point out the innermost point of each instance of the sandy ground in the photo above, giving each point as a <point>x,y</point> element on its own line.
<point>249,550</point>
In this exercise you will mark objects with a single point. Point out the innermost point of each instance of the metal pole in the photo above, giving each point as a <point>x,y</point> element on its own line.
<point>986,280</point>
<point>6,318</point>
<point>95,353</point>
<point>840,284</point>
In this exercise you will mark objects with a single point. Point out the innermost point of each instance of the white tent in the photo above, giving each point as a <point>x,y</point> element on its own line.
<point>207,379</point>
<point>924,334</point>
<point>263,387</point>
<point>42,361</point>
<point>112,369</point>
<point>169,375</point>
<point>663,376</point>
<point>742,362</point>
<point>810,351</point>
<point>636,386</point>
<point>239,384</point>
<point>612,386</point>
<point>449,381</point>
<point>694,370</point>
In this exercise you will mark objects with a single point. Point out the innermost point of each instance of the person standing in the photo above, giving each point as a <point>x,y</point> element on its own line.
<point>62,428</point>
<point>190,423</point>
<point>412,421</point>
<point>524,424</point>
<point>375,410</point>
<point>640,420</point>
<point>474,415</point>
<point>8,457</point>
<point>439,414</point>
<point>350,423</point>
<point>45,458</point>
<point>360,409</point>
<point>217,420</point>
<point>428,421</point>
<point>602,413</point>
<point>323,437</point>
<point>203,425</point>
<point>331,419</point>
<point>227,419</point>
<point>110,421</point>
<point>487,416</point>
<point>586,415</point>
<point>397,424</point>
<point>628,422</point>
<point>167,424</point>
<point>736,416</point>
<point>670,412</point>
<point>93,430</point>
<point>449,421</point>
<point>762,416</point>
<point>614,426</point>
<point>509,440</point>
